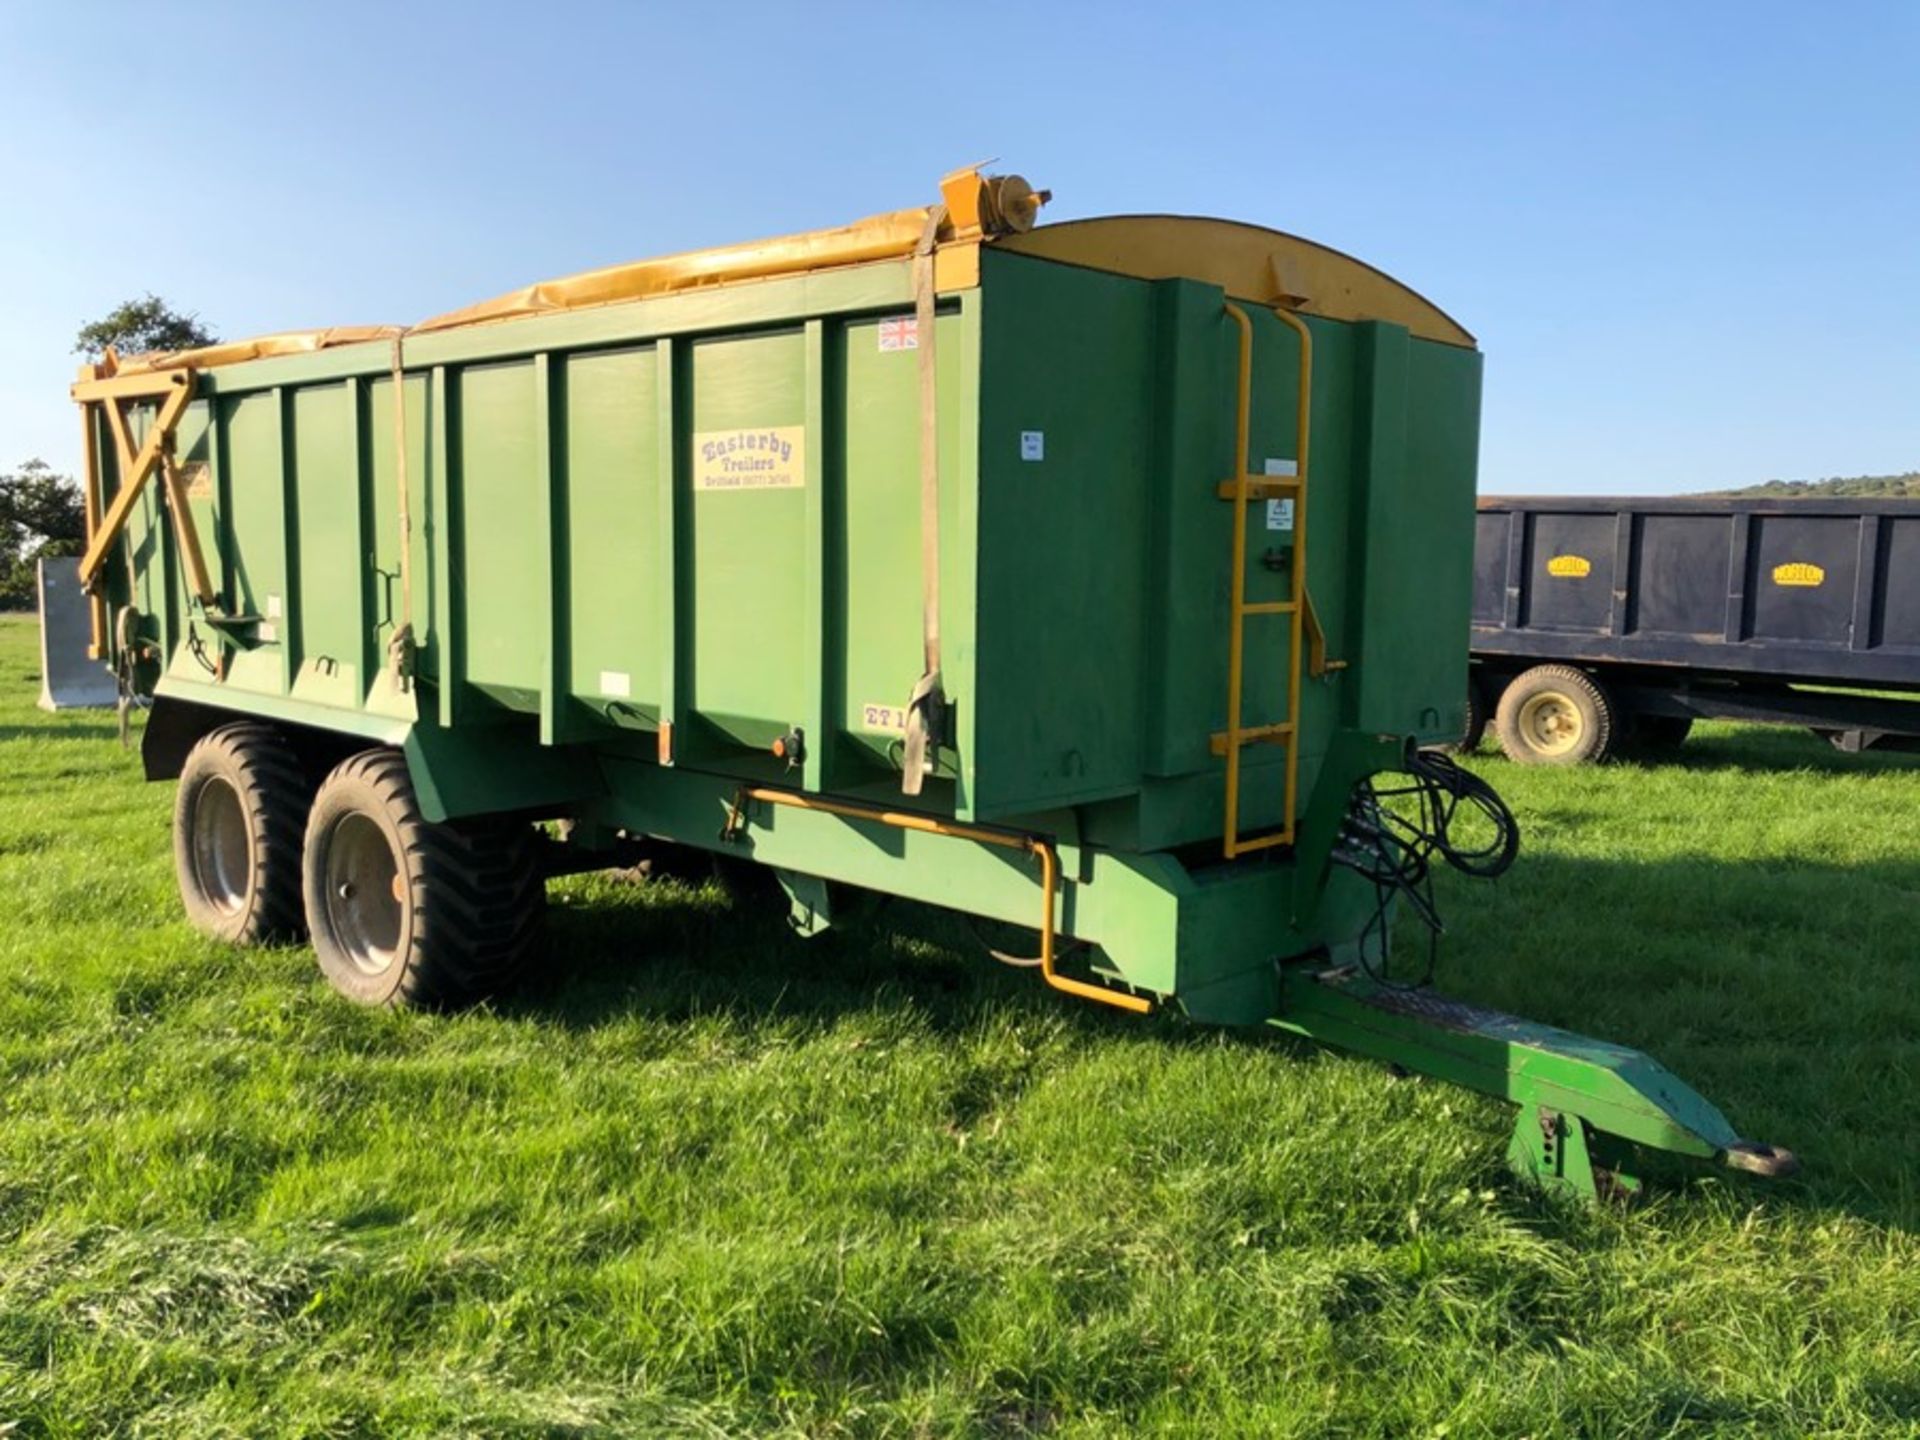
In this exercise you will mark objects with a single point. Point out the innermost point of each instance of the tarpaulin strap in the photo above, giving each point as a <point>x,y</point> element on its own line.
<point>926,707</point>
<point>400,647</point>
<point>126,635</point>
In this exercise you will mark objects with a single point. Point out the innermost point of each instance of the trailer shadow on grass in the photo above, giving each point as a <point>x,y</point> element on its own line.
<point>1773,747</point>
<point>61,726</point>
<point>1726,746</point>
<point>681,947</point>
<point>1781,991</point>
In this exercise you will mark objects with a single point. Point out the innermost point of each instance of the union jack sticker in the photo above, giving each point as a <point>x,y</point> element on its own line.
<point>902,333</point>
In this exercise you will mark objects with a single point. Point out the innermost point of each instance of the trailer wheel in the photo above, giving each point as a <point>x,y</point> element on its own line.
<point>1476,715</point>
<point>408,913</point>
<point>237,818</point>
<point>1476,729</point>
<point>1555,715</point>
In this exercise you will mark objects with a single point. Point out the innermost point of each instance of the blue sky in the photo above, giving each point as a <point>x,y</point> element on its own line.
<point>1687,235</point>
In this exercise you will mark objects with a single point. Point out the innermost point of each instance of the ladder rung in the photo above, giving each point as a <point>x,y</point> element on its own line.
<point>1269,607</point>
<point>1262,487</point>
<point>1263,842</point>
<point>1253,735</point>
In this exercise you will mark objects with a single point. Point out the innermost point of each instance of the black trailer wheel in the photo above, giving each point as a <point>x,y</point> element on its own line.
<point>1476,720</point>
<point>1555,715</point>
<point>237,819</point>
<point>408,913</point>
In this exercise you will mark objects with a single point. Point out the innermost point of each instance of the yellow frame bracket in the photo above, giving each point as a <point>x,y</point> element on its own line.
<point>173,389</point>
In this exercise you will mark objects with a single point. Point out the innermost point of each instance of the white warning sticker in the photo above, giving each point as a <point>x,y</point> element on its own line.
<point>1280,512</point>
<point>900,333</point>
<point>616,683</point>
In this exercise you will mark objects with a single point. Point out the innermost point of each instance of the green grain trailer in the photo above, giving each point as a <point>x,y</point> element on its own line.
<point>1082,577</point>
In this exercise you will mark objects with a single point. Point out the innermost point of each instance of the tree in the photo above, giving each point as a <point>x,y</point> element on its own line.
<point>142,325</point>
<point>41,516</point>
<point>1894,487</point>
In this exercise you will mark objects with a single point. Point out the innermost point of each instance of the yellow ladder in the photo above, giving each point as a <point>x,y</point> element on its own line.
<point>1243,489</point>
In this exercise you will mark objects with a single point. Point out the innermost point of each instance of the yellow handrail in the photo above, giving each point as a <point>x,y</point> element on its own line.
<point>1304,424</point>
<point>1236,634</point>
<point>932,825</point>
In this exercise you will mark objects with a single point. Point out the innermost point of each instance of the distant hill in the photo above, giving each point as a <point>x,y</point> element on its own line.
<point>1886,487</point>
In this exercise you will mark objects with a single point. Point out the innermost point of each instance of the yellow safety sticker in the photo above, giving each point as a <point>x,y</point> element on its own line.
<point>1570,567</point>
<point>1799,572</point>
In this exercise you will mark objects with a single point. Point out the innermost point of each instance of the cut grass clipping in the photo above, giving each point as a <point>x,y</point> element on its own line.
<point>708,1178</point>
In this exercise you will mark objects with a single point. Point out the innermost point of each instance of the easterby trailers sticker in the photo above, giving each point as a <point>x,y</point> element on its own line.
<point>772,457</point>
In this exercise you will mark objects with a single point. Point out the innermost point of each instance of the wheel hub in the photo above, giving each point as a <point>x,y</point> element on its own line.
<point>222,846</point>
<point>1552,723</point>
<point>366,893</point>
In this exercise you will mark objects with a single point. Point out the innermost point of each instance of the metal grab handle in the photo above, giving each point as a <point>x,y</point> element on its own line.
<point>1005,840</point>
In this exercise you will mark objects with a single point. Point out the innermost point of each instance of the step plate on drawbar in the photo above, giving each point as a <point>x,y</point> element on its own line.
<point>1449,1014</point>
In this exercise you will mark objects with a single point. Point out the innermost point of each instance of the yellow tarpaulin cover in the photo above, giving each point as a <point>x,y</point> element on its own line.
<point>1249,261</point>
<point>232,352</point>
<point>974,205</point>
<point>879,237</point>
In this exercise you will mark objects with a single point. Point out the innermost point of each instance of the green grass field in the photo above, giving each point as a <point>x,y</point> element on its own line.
<point>706,1178</point>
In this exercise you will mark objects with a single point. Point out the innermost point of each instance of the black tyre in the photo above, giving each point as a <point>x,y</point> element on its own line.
<point>1476,729</point>
<point>1555,715</point>
<point>1661,732</point>
<point>407,913</point>
<point>237,821</point>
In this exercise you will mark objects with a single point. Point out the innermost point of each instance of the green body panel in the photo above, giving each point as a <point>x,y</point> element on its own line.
<point>498,519</point>
<point>1055,713</point>
<point>569,563</point>
<point>330,645</point>
<point>581,576</point>
<point>646,541</point>
<point>609,474</point>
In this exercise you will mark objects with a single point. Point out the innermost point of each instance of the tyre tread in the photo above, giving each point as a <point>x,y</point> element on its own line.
<point>479,892</point>
<point>275,791</point>
<point>1605,732</point>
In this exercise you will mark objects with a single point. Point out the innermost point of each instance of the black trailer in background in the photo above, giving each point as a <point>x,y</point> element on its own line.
<point>1599,622</point>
